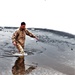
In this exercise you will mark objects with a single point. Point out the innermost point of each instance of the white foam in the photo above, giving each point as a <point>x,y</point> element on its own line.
<point>19,54</point>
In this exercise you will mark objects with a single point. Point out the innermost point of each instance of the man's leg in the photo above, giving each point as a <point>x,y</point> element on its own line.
<point>20,48</point>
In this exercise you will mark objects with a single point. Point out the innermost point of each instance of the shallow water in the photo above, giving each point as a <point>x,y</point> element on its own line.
<point>53,54</point>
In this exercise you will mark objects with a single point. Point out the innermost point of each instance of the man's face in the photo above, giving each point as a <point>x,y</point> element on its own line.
<point>23,26</point>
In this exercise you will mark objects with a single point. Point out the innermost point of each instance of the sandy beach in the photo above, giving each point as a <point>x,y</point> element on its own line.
<point>53,54</point>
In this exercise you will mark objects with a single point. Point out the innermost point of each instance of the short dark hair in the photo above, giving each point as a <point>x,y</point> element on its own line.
<point>23,23</point>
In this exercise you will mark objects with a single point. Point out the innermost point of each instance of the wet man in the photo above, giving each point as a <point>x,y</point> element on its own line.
<point>19,36</point>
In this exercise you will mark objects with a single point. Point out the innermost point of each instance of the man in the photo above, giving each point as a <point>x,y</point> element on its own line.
<point>19,36</point>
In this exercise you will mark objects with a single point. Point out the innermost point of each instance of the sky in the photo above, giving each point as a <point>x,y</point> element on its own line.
<point>50,14</point>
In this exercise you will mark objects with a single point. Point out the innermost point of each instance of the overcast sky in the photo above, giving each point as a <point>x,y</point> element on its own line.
<point>51,14</point>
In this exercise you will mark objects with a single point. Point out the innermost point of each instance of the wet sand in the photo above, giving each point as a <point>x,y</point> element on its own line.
<point>53,54</point>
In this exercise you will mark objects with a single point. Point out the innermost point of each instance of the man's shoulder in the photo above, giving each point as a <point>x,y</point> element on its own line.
<point>26,29</point>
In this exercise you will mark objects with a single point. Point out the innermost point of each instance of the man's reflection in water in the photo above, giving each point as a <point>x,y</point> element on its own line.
<point>19,67</point>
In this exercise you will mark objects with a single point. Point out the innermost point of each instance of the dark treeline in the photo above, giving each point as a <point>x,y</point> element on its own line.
<point>61,33</point>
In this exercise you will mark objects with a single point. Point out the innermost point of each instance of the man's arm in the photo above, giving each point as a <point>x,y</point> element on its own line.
<point>30,34</point>
<point>14,37</point>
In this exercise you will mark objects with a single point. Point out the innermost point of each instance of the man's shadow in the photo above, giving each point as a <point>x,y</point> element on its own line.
<point>19,67</point>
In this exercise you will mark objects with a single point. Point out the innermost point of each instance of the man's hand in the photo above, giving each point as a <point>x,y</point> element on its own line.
<point>14,43</point>
<point>36,38</point>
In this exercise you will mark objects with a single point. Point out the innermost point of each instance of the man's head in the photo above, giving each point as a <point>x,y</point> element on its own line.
<point>23,25</point>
